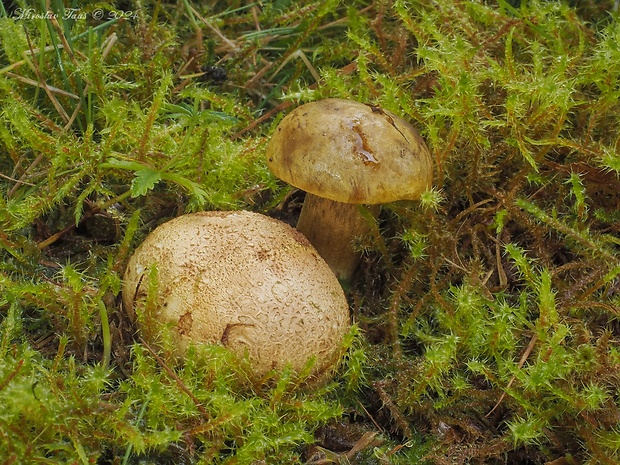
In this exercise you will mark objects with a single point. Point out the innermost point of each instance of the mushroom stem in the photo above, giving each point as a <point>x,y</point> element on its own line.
<point>332,227</point>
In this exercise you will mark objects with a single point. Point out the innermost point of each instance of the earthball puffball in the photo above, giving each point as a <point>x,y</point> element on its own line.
<point>243,280</point>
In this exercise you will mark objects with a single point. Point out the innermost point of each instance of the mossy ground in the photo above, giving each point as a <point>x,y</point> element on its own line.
<point>487,313</point>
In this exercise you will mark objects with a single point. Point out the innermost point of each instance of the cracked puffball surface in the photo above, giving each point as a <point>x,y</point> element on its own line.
<point>243,280</point>
<point>350,152</point>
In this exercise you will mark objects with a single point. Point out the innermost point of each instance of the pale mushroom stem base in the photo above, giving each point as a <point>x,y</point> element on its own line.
<point>332,227</point>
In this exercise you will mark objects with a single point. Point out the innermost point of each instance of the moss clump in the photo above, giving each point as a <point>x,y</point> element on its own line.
<point>488,309</point>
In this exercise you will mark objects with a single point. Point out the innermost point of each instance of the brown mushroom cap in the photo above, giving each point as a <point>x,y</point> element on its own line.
<point>247,281</point>
<point>350,152</point>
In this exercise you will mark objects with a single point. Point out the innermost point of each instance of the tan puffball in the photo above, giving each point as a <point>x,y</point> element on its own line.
<point>246,281</point>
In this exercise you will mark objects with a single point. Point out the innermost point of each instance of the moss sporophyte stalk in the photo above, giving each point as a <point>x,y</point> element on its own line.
<point>484,313</point>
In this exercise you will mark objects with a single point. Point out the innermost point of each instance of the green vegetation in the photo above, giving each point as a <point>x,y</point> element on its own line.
<point>487,313</point>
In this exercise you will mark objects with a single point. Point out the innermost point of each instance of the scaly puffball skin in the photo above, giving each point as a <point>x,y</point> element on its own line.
<point>244,280</point>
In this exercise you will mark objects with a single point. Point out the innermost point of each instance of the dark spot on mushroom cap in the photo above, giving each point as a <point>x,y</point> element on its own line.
<point>361,145</point>
<point>262,254</point>
<point>185,324</point>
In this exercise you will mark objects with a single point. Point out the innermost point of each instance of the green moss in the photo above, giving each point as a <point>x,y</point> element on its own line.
<point>487,313</point>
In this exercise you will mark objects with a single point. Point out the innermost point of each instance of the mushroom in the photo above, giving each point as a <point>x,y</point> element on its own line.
<point>344,153</point>
<point>243,280</point>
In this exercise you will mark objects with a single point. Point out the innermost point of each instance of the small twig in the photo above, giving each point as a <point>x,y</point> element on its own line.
<point>397,416</point>
<point>54,237</point>
<point>371,417</point>
<point>214,29</point>
<point>18,181</point>
<point>75,114</point>
<point>367,440</point>
<point>32,82</point>
<point>108,43</point>
<point>304,58</point>
<point>43,84</point>
<point>63,39</point>
<point>524,357</point>
<point>259,75</point>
